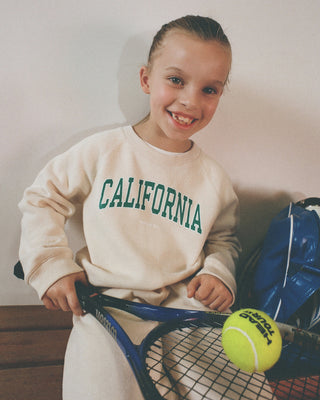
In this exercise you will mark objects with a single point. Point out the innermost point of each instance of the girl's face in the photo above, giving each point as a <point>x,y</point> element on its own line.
<point>185,82</point>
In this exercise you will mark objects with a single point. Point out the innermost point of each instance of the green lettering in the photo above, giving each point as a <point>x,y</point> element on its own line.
<point>117,195</point>
<point>187,224</point>
<point>180,208</point>
<point>146,195</point>
<point>196,220</point>
<point>126,203</point>
<point>101,204</point>
<point>156,209</point>
<point>169,202</point>
<point>138,200</point>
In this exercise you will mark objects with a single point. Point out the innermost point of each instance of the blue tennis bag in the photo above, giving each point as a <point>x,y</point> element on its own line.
<point>287,274</point>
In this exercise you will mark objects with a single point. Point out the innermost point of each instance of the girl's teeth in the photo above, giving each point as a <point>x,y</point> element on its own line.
<point>182,120</point>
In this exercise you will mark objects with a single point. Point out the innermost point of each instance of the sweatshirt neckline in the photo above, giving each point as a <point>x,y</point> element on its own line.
<point>149,151</point>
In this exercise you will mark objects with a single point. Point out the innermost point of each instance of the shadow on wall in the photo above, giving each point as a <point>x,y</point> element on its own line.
<point>133,102</point>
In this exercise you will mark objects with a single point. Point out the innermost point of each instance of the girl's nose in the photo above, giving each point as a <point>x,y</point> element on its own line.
<point>189,98</point>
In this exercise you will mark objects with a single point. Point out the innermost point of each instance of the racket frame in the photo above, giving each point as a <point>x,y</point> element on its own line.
<point>91,303</point>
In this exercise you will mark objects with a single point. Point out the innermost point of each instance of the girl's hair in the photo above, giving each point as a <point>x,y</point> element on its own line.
<point>204,28</point>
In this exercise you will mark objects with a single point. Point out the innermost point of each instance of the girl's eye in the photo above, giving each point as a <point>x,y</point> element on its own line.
<point>210,90</point>
<point>176,81</point>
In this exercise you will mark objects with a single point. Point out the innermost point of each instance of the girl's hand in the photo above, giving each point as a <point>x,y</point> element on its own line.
<point>62,294</point>
<point>210,291</point>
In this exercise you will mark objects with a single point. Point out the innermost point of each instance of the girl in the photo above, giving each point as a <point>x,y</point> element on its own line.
<point>159,216</point>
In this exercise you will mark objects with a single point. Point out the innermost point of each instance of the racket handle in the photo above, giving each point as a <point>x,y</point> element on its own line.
<point>301,337</point>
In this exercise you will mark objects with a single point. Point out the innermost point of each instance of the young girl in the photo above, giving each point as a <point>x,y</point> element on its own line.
<point>159,216</point>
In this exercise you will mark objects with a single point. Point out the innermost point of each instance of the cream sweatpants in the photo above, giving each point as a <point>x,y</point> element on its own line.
<point>95,367</point>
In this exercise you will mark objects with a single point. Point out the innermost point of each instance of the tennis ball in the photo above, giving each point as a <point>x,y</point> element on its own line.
<point>251,340</point>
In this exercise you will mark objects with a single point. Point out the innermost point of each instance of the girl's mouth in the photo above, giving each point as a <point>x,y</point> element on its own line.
<point>182,119</point>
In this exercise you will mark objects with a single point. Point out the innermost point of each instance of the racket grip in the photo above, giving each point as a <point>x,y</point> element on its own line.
<point>301,337</point>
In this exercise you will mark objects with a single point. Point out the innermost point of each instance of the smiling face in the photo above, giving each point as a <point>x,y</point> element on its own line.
<point>185,82</point>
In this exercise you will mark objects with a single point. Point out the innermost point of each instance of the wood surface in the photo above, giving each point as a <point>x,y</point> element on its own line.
<point>32,346</point>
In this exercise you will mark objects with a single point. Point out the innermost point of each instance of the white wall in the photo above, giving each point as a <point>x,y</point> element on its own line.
<point>69,68</point>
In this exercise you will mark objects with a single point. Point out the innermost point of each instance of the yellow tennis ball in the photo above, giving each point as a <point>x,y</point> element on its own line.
<point>251,340</point>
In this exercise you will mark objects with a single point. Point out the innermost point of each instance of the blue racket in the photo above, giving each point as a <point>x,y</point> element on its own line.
<point>182,358</point>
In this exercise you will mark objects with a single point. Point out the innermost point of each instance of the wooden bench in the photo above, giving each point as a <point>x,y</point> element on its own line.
<point>32,346</point>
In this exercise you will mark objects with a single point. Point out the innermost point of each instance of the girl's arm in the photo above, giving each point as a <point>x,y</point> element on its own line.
<point>46,205</point>
<point>215,284</point>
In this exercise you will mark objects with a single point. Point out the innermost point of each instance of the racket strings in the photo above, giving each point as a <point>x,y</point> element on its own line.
<point>297,388</point>
<point>194,351</point>
<point>189,363</point>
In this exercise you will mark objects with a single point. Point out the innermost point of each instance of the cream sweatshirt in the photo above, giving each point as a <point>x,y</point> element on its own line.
<point>149,219</point>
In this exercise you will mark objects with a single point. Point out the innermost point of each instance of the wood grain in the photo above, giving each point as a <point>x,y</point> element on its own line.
<point>32,346</point>
<point>33,317</point>
<point>33,383</point>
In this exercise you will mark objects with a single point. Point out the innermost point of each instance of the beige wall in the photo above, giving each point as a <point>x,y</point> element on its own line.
<point>69,68</point>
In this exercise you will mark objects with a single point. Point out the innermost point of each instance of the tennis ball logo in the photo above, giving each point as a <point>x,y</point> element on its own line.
<point>251,340</point>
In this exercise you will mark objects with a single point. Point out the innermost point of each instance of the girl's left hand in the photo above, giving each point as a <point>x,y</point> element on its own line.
<point>210,291</point>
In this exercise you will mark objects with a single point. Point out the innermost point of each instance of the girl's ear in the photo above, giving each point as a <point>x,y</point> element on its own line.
<point>144,79</point>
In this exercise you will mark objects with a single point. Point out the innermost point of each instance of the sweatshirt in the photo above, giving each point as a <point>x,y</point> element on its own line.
<point>150,219</point>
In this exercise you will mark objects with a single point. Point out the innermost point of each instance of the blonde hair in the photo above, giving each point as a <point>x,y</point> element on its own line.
<point>204,28</point>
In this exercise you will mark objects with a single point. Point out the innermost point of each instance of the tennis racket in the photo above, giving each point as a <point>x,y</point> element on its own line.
<point>182,358</point>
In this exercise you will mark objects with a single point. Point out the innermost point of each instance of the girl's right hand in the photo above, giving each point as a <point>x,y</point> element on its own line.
<point>62,294</point>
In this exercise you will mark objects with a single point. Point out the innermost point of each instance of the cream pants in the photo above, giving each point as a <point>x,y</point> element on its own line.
<point>95,367</point>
